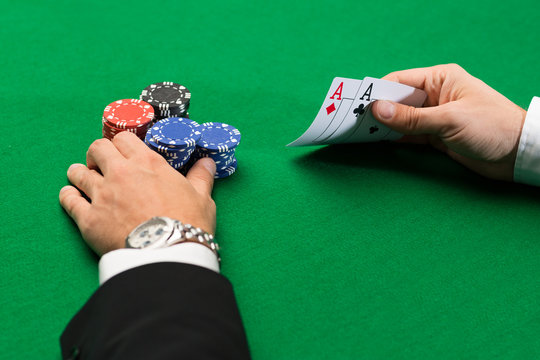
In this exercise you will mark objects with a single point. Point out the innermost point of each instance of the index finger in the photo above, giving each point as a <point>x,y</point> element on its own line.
<point>412,77</point>
<point>102,154</point>
<point>129,145</point>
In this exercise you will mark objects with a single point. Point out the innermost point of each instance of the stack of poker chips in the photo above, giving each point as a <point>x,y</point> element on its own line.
<point>168,99</point>
<point>174,138</point>
<point>218,141</point>
<point>131,115</point>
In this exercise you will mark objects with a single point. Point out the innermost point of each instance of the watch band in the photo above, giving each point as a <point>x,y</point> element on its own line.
<point>188,233</point>
<point>160,232</point>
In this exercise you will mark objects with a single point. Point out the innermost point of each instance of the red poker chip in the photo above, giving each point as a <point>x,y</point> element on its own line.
<point>120,130</point>
<point>110,133</point>
<point>128,114</point>
<point>138,130</point>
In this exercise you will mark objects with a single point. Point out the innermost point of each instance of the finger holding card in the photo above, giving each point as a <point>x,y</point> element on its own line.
<point>364,127</point>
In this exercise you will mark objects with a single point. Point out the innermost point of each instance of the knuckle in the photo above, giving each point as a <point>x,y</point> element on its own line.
<point>76,175</point>
<point>100,142</point>
<point>81,180</point>
<point>96,144</point>
<point>106,196</point>
<point>393,76</point>
<point>413,118</point>
<point>86,223</point>
<point>454,67</point>
<point>154,157</point>
<point>69,202</point>
<point>118,170</point>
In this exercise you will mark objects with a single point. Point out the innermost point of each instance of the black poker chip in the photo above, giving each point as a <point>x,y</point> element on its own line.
<point>167,98</point>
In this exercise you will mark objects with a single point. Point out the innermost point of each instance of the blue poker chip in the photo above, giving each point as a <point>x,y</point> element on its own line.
<point>214,154</point>
<point>182,142</point>
<point>152,144</point>
<point>166,151</point>
<point>228,171</point>
<point>176,132</point>
<point>177,166</point>
<point>178,157</point>
<point>218,137</point>
<point>223,164</point>
<point>177,163</point>
<point>218,158</point>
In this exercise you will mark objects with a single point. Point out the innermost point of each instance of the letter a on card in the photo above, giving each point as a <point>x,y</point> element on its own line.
<point>335,106</point>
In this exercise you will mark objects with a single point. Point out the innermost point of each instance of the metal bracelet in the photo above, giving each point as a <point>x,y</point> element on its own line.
<point>188,233</point>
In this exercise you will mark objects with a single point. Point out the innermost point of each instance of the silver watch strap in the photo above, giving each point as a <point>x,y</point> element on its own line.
<point>188,233</point>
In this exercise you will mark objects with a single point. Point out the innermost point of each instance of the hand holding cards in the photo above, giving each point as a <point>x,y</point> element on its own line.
<point>345,115</point>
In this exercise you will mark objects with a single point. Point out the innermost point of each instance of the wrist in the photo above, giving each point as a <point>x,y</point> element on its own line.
<point>161,232</point>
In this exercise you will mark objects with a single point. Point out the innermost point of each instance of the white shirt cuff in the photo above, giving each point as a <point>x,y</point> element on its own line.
<point>527,167</point>
<point>117,261</point>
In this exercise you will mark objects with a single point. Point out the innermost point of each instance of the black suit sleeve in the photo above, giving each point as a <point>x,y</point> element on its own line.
<point>159,311</point>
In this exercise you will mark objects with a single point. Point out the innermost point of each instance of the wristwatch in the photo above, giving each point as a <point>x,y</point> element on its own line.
<point>160,232</point>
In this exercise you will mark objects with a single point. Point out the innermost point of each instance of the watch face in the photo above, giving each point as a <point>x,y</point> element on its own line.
<point>154,231</point>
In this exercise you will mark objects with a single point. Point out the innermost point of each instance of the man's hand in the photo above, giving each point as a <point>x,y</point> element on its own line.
<point>128,184</point>
<point>463,117</point>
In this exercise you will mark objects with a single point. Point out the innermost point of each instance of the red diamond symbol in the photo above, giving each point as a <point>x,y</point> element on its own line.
<point>330,109</point>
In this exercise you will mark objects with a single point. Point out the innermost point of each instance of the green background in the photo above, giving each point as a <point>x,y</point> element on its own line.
<point>375,251</point>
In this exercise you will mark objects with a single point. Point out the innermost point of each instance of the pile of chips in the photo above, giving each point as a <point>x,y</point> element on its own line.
<point>160,118</point>
<point>168,99</point>
<point>182,141</point>
<point>175,139</point>
<point>131,115</point>
<point>219,141</point>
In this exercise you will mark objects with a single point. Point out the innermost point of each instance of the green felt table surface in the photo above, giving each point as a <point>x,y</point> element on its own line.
<point>380,251</point>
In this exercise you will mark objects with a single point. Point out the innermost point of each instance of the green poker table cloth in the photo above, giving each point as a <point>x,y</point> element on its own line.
<point>374,251</point>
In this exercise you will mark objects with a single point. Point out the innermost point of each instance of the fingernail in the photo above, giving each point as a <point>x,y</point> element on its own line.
<point>65,188</point>
<point>209,165</point>
<point>386,109</point>
<point>73,166</point>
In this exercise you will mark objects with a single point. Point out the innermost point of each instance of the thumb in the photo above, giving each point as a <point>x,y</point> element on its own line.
<point>409,120</point>
<point>201,176</point>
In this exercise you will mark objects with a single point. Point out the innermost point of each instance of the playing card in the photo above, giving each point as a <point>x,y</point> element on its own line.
<point>346,117</point>
<point>335,107</point>
<point>359,125</point>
